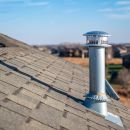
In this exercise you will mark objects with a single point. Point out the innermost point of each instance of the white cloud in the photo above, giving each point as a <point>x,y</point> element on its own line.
<point>45,3</point>
<point>120,16</point>
<point>123,2</point>
<point>72,2</point>
<point>70,11</point>
<point>25,2</point>
<point>119,10</point>
<point>107,10</point>
<point>10,1</point>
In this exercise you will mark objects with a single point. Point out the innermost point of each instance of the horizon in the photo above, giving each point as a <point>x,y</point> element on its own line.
<point>42,22</point>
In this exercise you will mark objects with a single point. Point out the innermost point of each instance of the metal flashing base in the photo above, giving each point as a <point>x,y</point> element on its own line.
<point>110,117</point>
<point>114,118</point>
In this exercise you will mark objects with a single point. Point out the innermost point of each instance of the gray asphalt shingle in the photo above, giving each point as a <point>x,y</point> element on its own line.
<point>41,92</point>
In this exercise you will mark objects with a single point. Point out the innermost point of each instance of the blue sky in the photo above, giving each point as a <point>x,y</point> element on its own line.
<point>56,21</point>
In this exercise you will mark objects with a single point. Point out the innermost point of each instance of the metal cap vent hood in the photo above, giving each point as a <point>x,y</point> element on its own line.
<point>96,99</point>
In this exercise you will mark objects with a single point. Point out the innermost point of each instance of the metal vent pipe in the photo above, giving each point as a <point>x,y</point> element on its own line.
<point>96,99</point>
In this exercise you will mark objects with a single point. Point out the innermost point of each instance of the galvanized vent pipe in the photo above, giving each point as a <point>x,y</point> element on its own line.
<point>96,99</point>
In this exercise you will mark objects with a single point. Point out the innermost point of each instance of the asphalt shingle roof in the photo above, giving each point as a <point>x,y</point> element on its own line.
<point>41,92</point>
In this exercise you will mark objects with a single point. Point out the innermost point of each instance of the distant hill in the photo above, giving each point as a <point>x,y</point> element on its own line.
<point>10,42</point>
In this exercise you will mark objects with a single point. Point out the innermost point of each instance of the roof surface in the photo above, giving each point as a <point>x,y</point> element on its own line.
<point>41,92</point>
<point>10,42</point>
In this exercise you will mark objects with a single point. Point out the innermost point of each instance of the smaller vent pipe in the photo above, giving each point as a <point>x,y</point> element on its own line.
<point>96,99</point>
